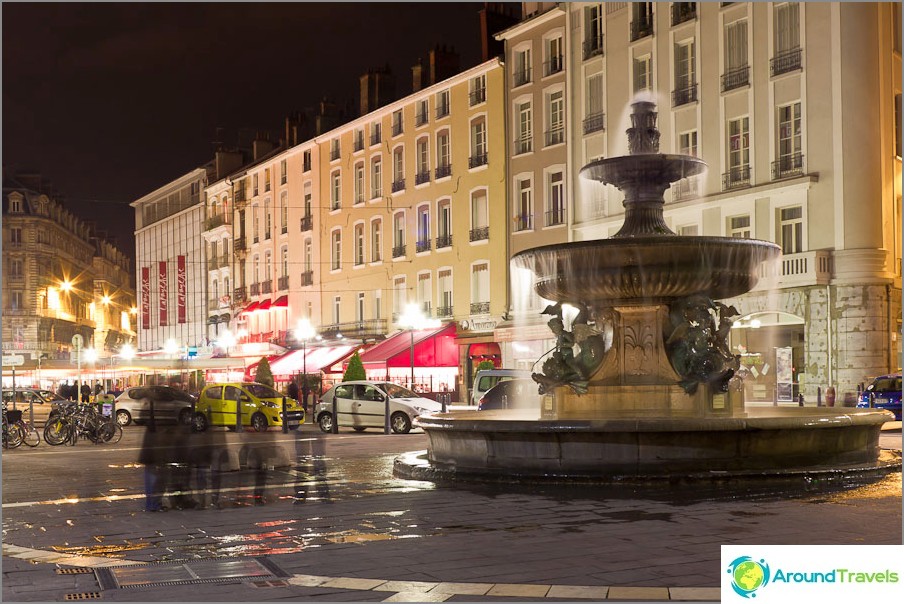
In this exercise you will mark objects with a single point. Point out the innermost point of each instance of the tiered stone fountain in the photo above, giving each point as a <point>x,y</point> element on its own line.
<point>642,383</point>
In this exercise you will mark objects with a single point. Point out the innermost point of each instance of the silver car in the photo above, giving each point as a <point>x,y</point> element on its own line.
<point>170,405</point>
<point>362,405</point>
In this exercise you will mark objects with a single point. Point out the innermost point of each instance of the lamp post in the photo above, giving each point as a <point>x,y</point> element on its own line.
<point>304,331</point>
<point>413,319</point>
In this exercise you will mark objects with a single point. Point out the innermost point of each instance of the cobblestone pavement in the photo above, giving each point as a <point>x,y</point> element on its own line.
<point>361,535</point>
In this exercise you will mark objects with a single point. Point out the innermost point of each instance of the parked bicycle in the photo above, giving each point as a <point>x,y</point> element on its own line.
<point>17,431</point>
<point>71,420</point>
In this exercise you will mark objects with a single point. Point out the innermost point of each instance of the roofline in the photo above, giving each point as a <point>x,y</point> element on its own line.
<point>173,184</point>
<point>519,28</point>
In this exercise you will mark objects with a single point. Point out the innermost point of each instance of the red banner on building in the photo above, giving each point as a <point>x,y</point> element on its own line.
<point>180,288</point>
<point>162,292</point>
<point>146,297</point>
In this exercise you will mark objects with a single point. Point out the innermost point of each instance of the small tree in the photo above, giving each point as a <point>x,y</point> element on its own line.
<point>485,365</point>
<point>355,370</point>
<point>264,375</point>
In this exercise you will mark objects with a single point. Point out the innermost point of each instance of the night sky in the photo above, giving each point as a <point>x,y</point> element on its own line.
<point>111,101</point>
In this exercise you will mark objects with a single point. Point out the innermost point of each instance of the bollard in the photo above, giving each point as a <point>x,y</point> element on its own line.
<point>830,396</point>
<point>285,417</point>
<point>444,401</point>
<point>386,417</point>
<point>800,399</point>
<point>335,429</point>
<point>238,411</point>
<point>818,396</point>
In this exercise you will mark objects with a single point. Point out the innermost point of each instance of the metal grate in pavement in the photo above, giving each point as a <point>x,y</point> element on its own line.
<point>89,595</point>
<point>189,572</point>
<point>74,570</point>
<point>277,583</point>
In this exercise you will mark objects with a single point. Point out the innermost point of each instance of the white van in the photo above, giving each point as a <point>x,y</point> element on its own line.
<point>487,378</point>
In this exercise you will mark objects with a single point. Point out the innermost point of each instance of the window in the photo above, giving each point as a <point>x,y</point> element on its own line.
<point>480,230</point>
<point>399,297</point>
<point>443,158</point>
<point>444,287</point>
<point>737,72</point>
<point>683,11</point>
<point>555,117</point>
<point>525,205</point>
<point>641,20</point>
<point>594,119</point>
<point>376,132</point>
<point>284,213</point>
<point>593,30</point>
<point>308,255</point>
<point>477,89</point>
<point>425,293</point>
<point>268,219</point>
<point>443,105</point>
<point>643,73</point>
<point>688,230</point>
<point>359,244</point>
<point>522,67</point>
<point>306,161</point>
<point>256,273</point>
<point>554,62</point>
<point>268,267</point>
<point>443,224</point>
<point>308,197</point>
<point>555,199</point>
<point>525,128</point>
<point>478,143</point>
<point>15,236</point>
<point>15,300</point>
<point>336,250</point>
<point>397,122</point>
<point>480,288</point>
<point>685,74</point>
<point>335,190</point>
<point>790,160</point>
<point>255,222</point>
<point>334,149</point>
<point>738,154</point>
<point>376,240</point>
<point>15,268</point>
<point>359,182</point>
<point>378,304</point>
<point>398,169</point>
<point>359,308</point>
<point>283,172</point>
<point>423,229</point>
<point>398,235</point>
<point>423,161</point>
<point>687,143</point>
<point>266,179</point>
<point>358,138</point>
<point>787,38</point>
<point>254,184</point>
<point>15,204</point>
<point>739,227</point>
<point>420,116</point>
<point>376,178</point>
<point>792,230</point>
<point>337,305</point>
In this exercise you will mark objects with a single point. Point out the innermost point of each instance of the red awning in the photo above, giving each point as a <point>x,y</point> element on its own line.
<point>318,359</point>
<point>281,302</point>
<point>265,305</point>
<point>250,308</point>
<point>432,348</point>
<point>484,349</point>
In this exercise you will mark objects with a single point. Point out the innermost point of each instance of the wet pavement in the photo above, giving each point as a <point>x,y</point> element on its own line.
<point>335,525</point>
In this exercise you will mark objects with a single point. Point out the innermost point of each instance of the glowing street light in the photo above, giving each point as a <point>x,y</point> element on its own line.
<point>414,319</point>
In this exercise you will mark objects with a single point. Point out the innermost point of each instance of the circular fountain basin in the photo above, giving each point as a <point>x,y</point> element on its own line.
<point>643,168</point>
<point>653,269</point>
<point>507,445</point>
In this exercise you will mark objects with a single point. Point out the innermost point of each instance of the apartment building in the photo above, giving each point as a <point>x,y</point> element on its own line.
<point>795,107</point>
<point>60,279</point>
<point>413,210</point>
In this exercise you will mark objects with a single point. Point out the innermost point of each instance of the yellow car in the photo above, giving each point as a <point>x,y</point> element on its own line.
<point>261,407</point>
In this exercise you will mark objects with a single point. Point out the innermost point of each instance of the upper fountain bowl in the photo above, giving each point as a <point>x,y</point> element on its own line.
<point>655,269</point>
<point>645,168</point>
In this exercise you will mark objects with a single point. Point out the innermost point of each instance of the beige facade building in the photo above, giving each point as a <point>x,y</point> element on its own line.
<point>795,107</point>
<point>60,279</point>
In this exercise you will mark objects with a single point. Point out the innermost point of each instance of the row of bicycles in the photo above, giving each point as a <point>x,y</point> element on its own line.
<point>66,424</point>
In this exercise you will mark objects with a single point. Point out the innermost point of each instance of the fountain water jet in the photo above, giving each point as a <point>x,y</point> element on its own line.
<point>643,384</point>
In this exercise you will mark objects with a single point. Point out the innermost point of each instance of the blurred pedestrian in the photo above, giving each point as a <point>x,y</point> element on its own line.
<point>86,392</point>
<point>292,390</point>
<point>164,454</point>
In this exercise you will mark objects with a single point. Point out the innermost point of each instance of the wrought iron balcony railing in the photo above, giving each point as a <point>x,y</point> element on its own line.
<point>334,154</point>
<point>239,244</point>
<point>240,294</point>
<point>443,311</point>
<point>736,177</point>
<point>524,222</point>
<point>359,143</point>
<point>594,122</point>
<point>307,223</point>
<point>214,221</point>
<point>553,65</point>
<point>375,139</point>
<point>478,159</point>
<point>398,251</point>
<point>420,118</point>
<point>683,11</point>
<point>479,233</point>
<point>524,145</point>
<point>555,136</point>
<point>788,165</point>
<point>443,171</point>
<point>786,61</point>
<point>480,308</point>
<point>593,46</point>
<point>736,78</point>
<point>255,289</point>
<point>282,284</point>
<point>364,330</point>
<point>442,110</point>
<point>397,128</point>
<point>641,29</point>
<point>267,286</point>
<point>307,278</point>
<point>422,177</point>
<point>555,217</point>
<point>522,77</point>
<point>683,96</point>
<point>477,96</point>
<point>443,241</point>
<point>398,185</point>
<point>422,245</point>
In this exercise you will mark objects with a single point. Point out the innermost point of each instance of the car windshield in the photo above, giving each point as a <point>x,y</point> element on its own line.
<point>261,391</point>
<point>47,395</point>
<point>396,391</point>
<point>886,385</point>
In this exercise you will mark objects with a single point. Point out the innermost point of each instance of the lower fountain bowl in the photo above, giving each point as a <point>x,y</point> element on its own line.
<point>777,442</point>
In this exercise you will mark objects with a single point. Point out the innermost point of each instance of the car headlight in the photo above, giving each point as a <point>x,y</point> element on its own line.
<point>269,404</point>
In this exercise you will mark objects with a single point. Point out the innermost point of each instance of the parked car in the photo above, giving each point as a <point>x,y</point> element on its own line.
<point>362,404</point>
<point>519,393</point>
<point>170,405</point>
<point>886,393</point>
<point>261,407</point>
<point>25,396</point>
<point>487,378</point>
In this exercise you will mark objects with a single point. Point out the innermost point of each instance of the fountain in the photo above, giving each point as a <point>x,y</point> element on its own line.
<point>642,382</point>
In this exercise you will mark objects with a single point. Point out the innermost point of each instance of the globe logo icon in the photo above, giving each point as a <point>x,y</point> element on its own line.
<point>748,575</point>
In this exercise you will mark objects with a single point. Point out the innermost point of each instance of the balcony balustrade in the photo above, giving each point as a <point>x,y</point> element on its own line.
<point>398,251</point>
<point>334,154</point>
<point>359,143</point>
<point>685,95</point>
<point>786,61</point>
<point>283,283</point>
<point>214,221</point>
<point>555,136</point>
<point>555,217</point>
<point>422,245</point>
<point>443,171</point>
<point>307,223</point>
<point>480,308</point>
<point>595,122</point>
<point>420,118</point>
<point>255,289</point>
<point>479,233</point>
<point>686,188</point>
<point>398,185</point>
<point>477,96</point>
<point>788,165</point>
<point>240,294</point>
<point>524,222</point>
<point>442,110</point>
<point>443,312</point>
<point>736,78</point>
<point>369,329</point>
<point>803,269</point>
<point>593,46</point>
<point>307,278</point>
<point>522,77</point>
<point>683,11</point>
<point>443,241</point>
<point>375,139</point>
<point>736,177</point>
<point>641,29</point>
<point>422,177</point>
<point>267,286</point>
<point>397,128</point>
<point>478,159</point>
<point>554,65</point>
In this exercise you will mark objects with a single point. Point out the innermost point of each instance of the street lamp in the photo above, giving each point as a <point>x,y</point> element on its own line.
<point>126,353</point>
<point>304,331</point>
<point>413,319</point>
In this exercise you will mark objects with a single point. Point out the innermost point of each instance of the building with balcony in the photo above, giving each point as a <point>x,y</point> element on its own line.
<point>60,278</point>
<point>795,107</point>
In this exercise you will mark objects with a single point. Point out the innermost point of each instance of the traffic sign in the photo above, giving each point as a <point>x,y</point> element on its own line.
<point>77,340</point>
<point>13,360</point>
